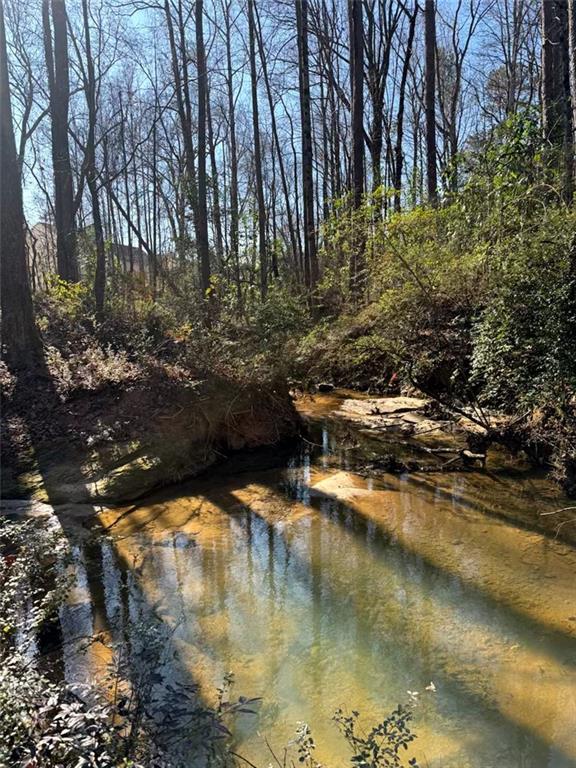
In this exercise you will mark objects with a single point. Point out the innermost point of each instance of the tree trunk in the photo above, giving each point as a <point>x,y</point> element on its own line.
<point>398,151</point>
<point>570,102</point>
<point>554,52</point>
<point>19,331</point>
<point>59,93</point>
<point>234,207</point>
<point>279,148</point>
<point>215,186</point>
<point>572,61</point>
<point>357,81</point>
<point>556,100</point>
<point>357,65</point>
<point>181,88</point>
<point>262,252</point>
<point>90,166</point>
<point>126,180</point>
<point>310,253</point>
<point>430,99</point>
<point>202,217</point>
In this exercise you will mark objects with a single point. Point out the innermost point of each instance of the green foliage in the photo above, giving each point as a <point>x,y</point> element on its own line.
<point>62,301</point>
<point>474,299</point>
<point>384,745</point>
<point>283,314</point>
<point>353,351</point>
<point>40,589</point>
<point>41,722</point>
<point>521,346</point>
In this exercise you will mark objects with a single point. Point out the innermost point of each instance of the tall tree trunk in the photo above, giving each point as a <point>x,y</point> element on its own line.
<point>398,150</point>
<point>430,98</point>
<point>357,82</point>
<point>556,99</point>
<point>262,251</point>
<point>155,198</point>
<point>181,89</point>
<point>276,139</point>
<point>19,331</point>
<point>202,217</point>
<point>554,50</point>
<point>234,207</point>
<point>298,227</point>
<point>569,75</point>
<point>59,90</point>
<point>90,165</point>
<point>310,253</point>
<point>126,180</point>
<point>572,61</point>
<point>325,152</point>
<point>357,73</point>
<point>215,186</point>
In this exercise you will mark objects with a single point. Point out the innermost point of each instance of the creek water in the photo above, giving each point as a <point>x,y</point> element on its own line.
<point>323,586</point>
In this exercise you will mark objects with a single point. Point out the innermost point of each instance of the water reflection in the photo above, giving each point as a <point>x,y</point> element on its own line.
<point>321,588</point>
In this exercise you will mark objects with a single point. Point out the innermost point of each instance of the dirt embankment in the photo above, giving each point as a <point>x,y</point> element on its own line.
<point>119,443</point>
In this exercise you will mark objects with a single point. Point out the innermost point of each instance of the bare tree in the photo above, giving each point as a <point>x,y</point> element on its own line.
<point>430,99</point>
<point>398,150</point>
<point>262,249</point>
<point>357,80</point>
<point>556,102</point>
<point>89,78</point>
<point>57,66</point>
<point>310,256</point>
<point>18,328</point>
<point>554,51</point>
<point>572,79</point>
<point>202,211</point>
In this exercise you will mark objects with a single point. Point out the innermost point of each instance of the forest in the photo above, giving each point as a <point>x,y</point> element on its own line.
<point>328,242</point>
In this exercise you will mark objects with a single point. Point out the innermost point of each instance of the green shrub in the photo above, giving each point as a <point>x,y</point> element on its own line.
<point>521,338</point>
<point>474,299</point>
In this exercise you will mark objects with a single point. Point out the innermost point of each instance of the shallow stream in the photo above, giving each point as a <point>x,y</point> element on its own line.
<point>320,585</point>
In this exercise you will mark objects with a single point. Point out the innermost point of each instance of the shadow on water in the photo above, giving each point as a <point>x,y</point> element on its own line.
<point>501,505</point>
<point>105,629</point>
<point>397,607</point>
<point>400,644</point>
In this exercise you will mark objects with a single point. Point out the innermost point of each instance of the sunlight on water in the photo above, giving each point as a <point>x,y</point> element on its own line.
<point>321,588</point>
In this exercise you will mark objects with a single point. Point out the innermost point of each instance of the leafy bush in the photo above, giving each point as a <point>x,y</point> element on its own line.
<point>89,369</point>
<point>41,722</point>
<point>283,314</point>
<point>63,299</point>
<point>475,299</point>
<point>383,746</point>
<point>521,337</point>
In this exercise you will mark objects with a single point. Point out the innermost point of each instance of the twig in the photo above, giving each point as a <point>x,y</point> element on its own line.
<point>242,758</point>
<point>555,511</point>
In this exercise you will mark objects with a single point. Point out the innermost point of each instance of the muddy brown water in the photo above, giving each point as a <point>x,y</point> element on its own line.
<point>322,586</point>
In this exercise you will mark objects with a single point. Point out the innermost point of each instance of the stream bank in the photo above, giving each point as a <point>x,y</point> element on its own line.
<point>124,440</point>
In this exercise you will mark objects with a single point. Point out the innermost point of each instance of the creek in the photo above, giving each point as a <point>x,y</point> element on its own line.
<point>321,584</point>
